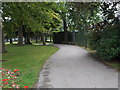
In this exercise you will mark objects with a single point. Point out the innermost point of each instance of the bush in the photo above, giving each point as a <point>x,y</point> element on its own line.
<point>106,41</point>
<point>107,49</point>
<point>81,38</point>
<point>108,46</point>
<point>93,38</point>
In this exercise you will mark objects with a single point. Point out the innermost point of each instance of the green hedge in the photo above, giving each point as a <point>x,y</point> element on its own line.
<point>108,46</point>
<point>105,41</point>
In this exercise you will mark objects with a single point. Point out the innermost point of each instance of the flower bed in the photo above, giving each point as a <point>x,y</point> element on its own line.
<point>10,78</point>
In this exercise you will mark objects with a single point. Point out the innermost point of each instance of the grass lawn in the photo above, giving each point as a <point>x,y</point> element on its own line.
<point>34,42</point>
<point>29,60</point>
<point>39,42</point>
<point>7,43</point>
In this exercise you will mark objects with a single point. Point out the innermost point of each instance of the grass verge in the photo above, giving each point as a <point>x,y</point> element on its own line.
<point>29,60</point>
<point>111,63</point>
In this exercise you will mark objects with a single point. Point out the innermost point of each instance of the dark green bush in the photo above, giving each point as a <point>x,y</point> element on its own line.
<point>93,38</point>
<point>81,38</point>
<point>107,49</point>
<point>108,46</point>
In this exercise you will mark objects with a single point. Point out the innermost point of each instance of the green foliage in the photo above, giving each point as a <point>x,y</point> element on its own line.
<point>81,16</point>
<point>81,39</point>
<point>105,37</point>
<point>108,46</point>
<point>98,26</point>
<point>93,37</point>
<point>98,23</point>
<point>33,15</point>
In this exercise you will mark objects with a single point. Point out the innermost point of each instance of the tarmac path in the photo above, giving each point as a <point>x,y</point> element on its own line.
<point>72,67</point>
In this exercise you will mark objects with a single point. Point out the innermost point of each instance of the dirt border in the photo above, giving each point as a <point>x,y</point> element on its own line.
<point>105,62</point>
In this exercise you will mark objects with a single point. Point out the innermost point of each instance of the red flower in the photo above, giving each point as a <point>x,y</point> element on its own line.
<point>6,83</point>
<point>5,79</point>
<point>6,69</point>
<point>3,74</point>
<point>13,85</point>
<point>12,72</point>
<point>16,70</point>
<point>1,68</point>
<point>25,86</point>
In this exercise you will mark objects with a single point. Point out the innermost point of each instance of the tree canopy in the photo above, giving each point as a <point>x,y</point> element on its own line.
<point>35,16</point>
<point>97,23</point>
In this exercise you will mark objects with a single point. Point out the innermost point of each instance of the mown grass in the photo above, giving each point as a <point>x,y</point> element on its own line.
<point>28,59</point>
<point>14,42</point>
<point>34,42</point>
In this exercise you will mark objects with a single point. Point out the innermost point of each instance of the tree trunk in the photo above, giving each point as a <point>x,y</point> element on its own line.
<point>25,38</point>
<point>40,38</point>
<point>36,38</point>
<point>7,39</point>
<point>27,41</point>
<point>50,38</point>
<point>20,36</point>
<point>11,42</point>
<point>3,45</point>
<point>43,39</point>
<point>65,32</point>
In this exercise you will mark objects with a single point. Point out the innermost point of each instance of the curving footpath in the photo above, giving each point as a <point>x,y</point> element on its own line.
<point>72,67</point>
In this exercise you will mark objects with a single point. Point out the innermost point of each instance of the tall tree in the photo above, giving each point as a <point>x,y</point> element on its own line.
<point>80,16</point>
<point>3,44</point>
<point>32,15</point>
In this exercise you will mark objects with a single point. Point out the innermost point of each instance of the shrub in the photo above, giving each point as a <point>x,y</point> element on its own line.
<point>108,46</point>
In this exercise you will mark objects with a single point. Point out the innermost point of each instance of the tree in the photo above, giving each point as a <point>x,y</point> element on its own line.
<point>31,15</point>
<point>109,32</point>
<point>82,15</point>
<point>3,44</point>
<point>64,18</point>
<point>98,27</point>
